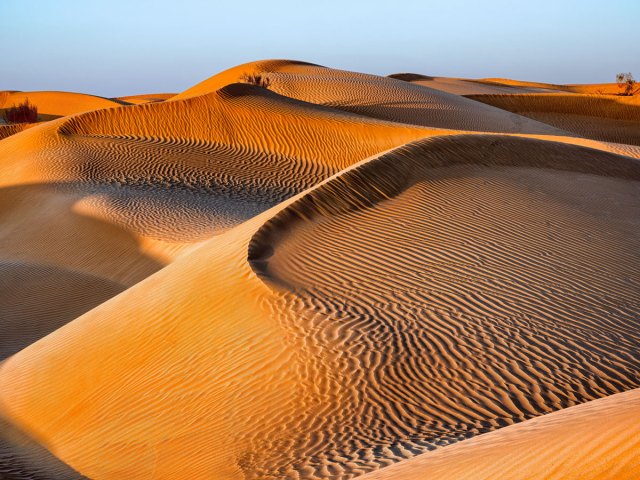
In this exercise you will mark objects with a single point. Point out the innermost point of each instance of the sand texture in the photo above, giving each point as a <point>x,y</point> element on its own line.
<point>339,276</point>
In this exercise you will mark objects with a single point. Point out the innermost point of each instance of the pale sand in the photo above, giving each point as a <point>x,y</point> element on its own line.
<point>316,287</point>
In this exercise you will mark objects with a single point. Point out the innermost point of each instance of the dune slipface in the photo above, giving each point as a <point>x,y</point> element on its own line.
<point>341,276</point>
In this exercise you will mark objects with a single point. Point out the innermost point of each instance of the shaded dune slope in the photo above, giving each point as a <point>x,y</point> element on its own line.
<point>390,310</point>
<point>606,118</point>
<point>604,434</point>
<point>379,97</point>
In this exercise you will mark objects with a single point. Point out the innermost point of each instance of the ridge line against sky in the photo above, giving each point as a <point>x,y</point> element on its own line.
<point>118,47</point>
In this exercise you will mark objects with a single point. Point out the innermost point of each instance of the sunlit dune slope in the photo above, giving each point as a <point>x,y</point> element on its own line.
<point>441,290</point>
<point>607,118</point>
<point>146,98</point>
<point>379,97</point>
<point>597,440</point>
<point>56,104</point>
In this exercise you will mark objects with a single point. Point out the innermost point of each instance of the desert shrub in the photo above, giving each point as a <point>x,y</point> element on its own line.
<point>257,79</point>
<point>626,83</point>
<point>23,113</point>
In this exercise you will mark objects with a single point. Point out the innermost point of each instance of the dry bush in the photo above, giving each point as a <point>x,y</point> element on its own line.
<point>626,83</point>
<point>23,113</point>
<point>257,79</point>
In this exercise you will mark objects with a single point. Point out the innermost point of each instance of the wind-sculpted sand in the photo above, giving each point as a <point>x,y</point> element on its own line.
<point>311,281</point>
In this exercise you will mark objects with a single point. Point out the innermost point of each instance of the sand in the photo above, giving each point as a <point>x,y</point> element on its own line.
<point>341,276</point>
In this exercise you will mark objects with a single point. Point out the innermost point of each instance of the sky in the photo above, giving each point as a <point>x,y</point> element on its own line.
<point>126,47</point>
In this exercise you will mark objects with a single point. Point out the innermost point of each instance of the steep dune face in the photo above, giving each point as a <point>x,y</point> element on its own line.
<point>57,104</point>
<point>444,289</point>
<point>606,118</point>
<point>597,440</point>
<point>378,97</point>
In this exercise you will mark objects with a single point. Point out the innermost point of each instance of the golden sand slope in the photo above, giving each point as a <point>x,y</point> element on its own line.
<point>146,98</point>
<point>379,97</point>
<point>56,104</point>
<point>444,289</point>
<point>607,118</point>
<point>597,440</point>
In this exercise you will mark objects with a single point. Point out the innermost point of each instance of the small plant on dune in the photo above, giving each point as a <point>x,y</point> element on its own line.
<point>257,79</point>
<point>626,83</point>
<point>23,113</point>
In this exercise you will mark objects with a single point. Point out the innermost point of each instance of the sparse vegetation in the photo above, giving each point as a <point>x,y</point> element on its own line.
<point>258,79</point>
<point>23,113</point>
<point>626,83</point>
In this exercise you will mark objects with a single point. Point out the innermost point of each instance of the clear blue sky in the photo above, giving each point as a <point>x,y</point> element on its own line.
<point>120,47</point>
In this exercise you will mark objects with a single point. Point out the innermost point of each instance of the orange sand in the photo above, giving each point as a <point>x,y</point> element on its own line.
<point>343,276</point>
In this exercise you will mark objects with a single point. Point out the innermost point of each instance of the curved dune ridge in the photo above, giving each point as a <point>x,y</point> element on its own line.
<point>338,276</point>
<point>606,118</point>
<point>391,314</point>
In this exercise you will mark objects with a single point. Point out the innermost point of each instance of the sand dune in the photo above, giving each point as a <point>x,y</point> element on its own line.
<point>56,104</point>
<point>607,118</point>
<point>607,431</point>
<point>322,279</point>
<point>390,314</point>
<point>85,207</point>
<point>378,97</point>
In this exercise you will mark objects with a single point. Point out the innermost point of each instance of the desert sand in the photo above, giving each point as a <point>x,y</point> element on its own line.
<point>334,275</point>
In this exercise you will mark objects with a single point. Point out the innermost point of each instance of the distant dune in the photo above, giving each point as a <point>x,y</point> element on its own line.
<point>339,276</point>
<point>56,104</point>
<point>146,98</point>
<point>607,118</point>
